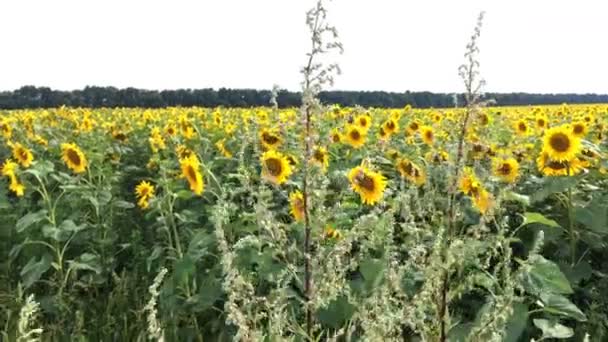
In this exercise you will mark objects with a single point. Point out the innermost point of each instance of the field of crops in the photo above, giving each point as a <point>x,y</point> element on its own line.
<point>189,223</point>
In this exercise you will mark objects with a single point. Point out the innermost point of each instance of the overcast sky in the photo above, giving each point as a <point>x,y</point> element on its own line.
<point>393,45</point>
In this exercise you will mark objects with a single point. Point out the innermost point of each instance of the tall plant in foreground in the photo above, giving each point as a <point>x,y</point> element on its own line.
<point>315,76</point>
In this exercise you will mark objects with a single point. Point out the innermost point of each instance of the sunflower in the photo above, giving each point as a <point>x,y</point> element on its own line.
<point>411,171</point>
<point>330,233</point>
<point>9,170</point>
<point>364,121</point>
<point>551,167</point>
<point>541,122</point>
<point>521,127</point>
<point>275,167</point>
<point>296,204</point>
<point>467,181</point>
<point>413,127</point>
<point>483,119</point>
<point>170,129</point>
<point>437,157</point>
<point>368,184</point>
<point>320,157</point>
<point>144,191</point>
<point>426,132</point>
<point>355,136</point>
<point>560,144</point>
<point>579,129</point>
<point>390,126</point>
<point>6,129</point>
<point>23,155</point>
<point>507,169</point>
<point>191,171</point>
<point>73,157</point>
<point>222,148</point>
<point>270,139</point>
<point>335,136</point>
<point>183,152</point>
<point>482,199</point>
<point>157,142</point>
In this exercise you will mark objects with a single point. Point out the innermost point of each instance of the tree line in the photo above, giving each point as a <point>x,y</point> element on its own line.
<point>92,96</point>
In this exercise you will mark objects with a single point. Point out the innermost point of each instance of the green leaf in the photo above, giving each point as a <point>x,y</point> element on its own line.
<point>559,304</point>
<point>517,322</point>
<point>337,312</point>
<point>86,262</point>
<point>513,196</point>
<point>184,269</point>
<point>552,329</point>
<point>594,216</point>
<point>33,270</point>
<point>372,271</point>
<point>552,185</point>
<point>30,219</point>
<point>530,218</point>
<point>545,276</point>
<point>124,205</point>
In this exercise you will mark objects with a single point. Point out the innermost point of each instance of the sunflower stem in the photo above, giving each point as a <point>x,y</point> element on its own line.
<point>571,231</point>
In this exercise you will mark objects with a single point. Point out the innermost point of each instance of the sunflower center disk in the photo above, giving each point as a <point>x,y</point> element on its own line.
<point>274,167</point>
<point>560,142</point>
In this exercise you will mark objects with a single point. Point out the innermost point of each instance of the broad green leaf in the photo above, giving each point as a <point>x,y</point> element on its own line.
<point>30,219</point>
<point>516,323</point>
<point>552,329</point>
<point>545,276</point>
<point>530,218</point>
<point>337,312</point>
<point>34,269</point>
<point>595,216</point>
<point>372,271</point>
<point>184,269</point>
<point>559,304</point>
<point>124,205</point>
<point>552,185</point>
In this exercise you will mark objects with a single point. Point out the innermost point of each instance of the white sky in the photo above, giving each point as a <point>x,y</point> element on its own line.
<point>394,45</point>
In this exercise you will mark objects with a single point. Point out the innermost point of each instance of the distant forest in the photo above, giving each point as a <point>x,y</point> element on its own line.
<point>43,97</point>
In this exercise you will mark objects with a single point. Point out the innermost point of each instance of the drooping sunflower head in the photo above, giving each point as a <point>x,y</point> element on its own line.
<point>355,136</point>
<point>411,171</point>
<point>560,144</point>
<point>368,184</point>
<point>506,169</point>
<point>275,167</point>
<point>183,152</point>
<point>191,171</point>
<point>320,157</point>
<point>23,155</point>
<point>73,157</point>
<point>296,204</point>
<point>270,139</point>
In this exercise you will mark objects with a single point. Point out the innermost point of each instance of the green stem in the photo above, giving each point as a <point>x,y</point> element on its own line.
<point>571,231</point>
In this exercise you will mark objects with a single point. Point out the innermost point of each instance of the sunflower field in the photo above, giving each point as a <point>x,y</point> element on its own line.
<point>188,224</point>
